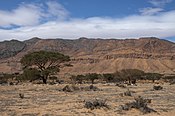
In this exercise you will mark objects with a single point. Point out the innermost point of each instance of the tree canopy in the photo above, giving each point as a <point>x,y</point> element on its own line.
<point>46,62</point>
<point>130,74</point>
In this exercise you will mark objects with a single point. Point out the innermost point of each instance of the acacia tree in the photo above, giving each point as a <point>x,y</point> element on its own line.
<point>46,62</point>
<point>131,74</point>
<point>92,77</point>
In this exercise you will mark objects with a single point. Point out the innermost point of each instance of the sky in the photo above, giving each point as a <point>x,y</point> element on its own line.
<point>72,19</point>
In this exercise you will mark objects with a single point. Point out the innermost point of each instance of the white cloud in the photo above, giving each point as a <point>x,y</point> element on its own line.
<point>57,10</point>
<point>22,16</point>
<point>152,22</point>
<point>134,26</point>
<point>159,3</point>
<point>33,14</point>
<point>150,11</point>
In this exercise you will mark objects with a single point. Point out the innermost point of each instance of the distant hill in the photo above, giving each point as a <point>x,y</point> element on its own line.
<point>96,55</point>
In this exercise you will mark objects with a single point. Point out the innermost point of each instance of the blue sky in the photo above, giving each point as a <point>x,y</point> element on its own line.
<point>71,19</point>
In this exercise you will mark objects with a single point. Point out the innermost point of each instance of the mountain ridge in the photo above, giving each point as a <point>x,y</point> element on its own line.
<point>96,55</point>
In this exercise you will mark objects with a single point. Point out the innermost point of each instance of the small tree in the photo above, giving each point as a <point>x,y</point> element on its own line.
<point>46,62</point>
<point>80,78</point>
<point>109,77</point>
<point>131,74</point>
<point>119,76</point>
<point>92,77</point>
<point>153,76</point>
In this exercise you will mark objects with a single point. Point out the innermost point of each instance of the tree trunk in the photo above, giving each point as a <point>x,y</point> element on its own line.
<point>44,79</point>
<point>92,81</point>
<point>129,80</point>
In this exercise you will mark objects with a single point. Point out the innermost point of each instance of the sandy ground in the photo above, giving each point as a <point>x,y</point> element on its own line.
<point>48,100</point>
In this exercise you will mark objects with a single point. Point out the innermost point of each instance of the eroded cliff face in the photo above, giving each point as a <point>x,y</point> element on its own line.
<point>10,48</point>
<point>97,55</point>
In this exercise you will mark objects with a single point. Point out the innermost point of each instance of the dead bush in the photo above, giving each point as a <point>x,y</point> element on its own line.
<point>140,104</point>
<point>21,95</point>
<point>90,88</point>
<point>70,88</point>
<point>96,104</point>
<point>128,93</point>
<point>157,87</point>
<point>172,81</point>
<point>120,85</point>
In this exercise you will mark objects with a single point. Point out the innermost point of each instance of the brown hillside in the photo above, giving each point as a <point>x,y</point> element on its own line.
<point>96,55</point>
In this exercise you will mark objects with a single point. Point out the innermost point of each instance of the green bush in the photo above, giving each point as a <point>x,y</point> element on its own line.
<point>131,75</point>
<point>152,76</point>
<point>6,77</point>
<point>92,77</point>
<point>78,79</point>
<point>29,74</point>
<point>109,77</point>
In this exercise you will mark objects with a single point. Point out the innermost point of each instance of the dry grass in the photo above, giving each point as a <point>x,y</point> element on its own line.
<point>48,100</point>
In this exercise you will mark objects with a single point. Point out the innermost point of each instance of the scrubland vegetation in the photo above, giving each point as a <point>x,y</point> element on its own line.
<point>118,92</point>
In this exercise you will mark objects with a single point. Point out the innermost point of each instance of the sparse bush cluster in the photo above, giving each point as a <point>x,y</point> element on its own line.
<point>44,65</point>
<point>170,79</point>
<point>128,93</point>
<point>140,103</point>
<point>7,78</point>
<point>96,104</point>
<point>126,75</point>
<point>91,77</point>
<point>72,88</point>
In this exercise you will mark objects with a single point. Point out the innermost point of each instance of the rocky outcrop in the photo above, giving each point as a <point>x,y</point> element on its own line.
<point>140,56</point>
<point>10,48</point>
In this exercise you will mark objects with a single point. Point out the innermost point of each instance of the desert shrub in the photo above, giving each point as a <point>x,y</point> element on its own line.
<point>96,104</point>
<point>92,77</point>
<point>131,75</point>
<point>120,77</point>
<point>6,77</point>
<point>59,81</point>
<point>120,85</point>
<point>140,104</point>
<point>3,82</point>
<point>29,74</point>
<point>53,78</point>
<point>152,76</point>
<point>78,79</point>
<point>157,87</point>
<point>70,88</point>
<point>109,77</point>
<point>21,95</point>
<point>11,83</point>
<point>170,79</point>
<point>128,93</point>
<point>90,88</point>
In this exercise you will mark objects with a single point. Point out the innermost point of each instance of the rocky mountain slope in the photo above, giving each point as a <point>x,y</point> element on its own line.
<point>96,55</point>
